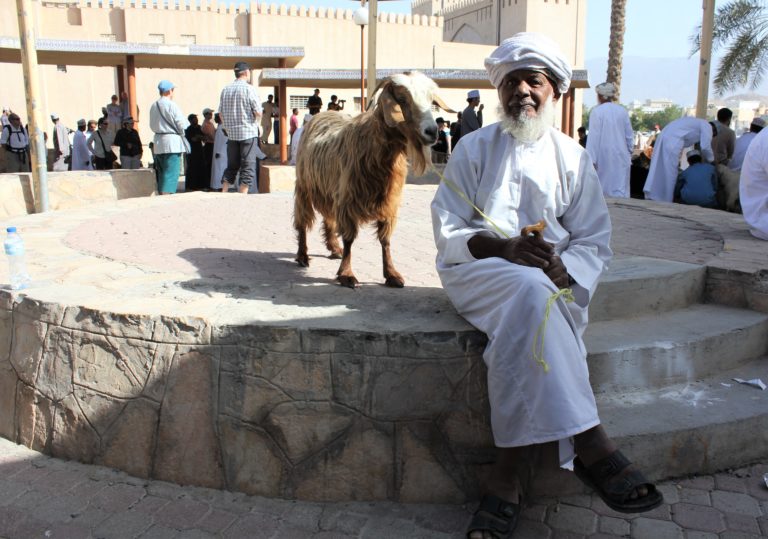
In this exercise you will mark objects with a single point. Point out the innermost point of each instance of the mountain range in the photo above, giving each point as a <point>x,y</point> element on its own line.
<point>675,79</point>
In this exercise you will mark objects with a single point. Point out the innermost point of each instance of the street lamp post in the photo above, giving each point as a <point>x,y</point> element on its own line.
<point>360,16</point>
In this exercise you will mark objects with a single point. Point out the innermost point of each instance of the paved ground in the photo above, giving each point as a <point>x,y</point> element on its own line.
<point>50,498</point>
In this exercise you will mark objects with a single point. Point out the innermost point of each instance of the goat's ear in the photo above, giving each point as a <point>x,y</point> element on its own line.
<point>393,113</point>
<point>437,100</point>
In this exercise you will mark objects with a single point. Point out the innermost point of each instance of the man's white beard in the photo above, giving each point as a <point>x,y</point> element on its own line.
<point>525,128</point>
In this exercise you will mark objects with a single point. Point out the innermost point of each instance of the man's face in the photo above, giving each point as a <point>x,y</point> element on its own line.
<point>15,121</point>
<point>208,115</point>
<point>92,126</point>
<point>524,91</point>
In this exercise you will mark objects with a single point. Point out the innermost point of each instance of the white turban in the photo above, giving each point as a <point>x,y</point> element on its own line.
<point>529,50</point>
<point>606,89</point>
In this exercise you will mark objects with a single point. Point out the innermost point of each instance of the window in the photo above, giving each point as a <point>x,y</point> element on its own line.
<point>157,38</point>
<point>188,39</point>
<point>61,68</point>
<point>235,41</point>
<point>298,101</point>
<point>108,37</point>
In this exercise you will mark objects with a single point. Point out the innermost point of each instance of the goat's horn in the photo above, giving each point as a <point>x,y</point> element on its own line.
<point>437,100</point>
<point>379,86</point>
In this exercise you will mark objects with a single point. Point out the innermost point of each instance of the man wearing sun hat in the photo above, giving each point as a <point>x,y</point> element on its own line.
<point>518,172</point>
<point>471,120</point>
<point>168,123</point>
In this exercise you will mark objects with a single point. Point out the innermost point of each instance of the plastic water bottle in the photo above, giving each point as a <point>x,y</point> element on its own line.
<point>14,248</point>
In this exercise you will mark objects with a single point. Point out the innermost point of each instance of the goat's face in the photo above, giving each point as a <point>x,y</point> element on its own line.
<point>406,101</point>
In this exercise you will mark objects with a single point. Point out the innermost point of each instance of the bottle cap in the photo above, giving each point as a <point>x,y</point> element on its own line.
<point>10,229</point>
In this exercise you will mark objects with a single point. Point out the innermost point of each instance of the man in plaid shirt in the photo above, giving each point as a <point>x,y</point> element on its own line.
<point>240,111</point>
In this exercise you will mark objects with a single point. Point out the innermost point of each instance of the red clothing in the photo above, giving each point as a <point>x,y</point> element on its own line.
<point>294,124</point>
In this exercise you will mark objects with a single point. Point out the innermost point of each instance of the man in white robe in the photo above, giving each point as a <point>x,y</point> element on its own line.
<point>297,138</point>
<point>676,136</point>
<point>518,172</point>
<point>743,142</point>
<point>753,187</point>
<point>610,142</point>
<point>81,155</point>
<point>60,145</point>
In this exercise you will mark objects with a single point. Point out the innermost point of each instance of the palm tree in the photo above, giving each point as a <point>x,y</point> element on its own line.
<point>741,27</point>
<point>616,45</point>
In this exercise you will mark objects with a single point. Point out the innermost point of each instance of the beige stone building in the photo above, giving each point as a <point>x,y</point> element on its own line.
<point>82,45</point>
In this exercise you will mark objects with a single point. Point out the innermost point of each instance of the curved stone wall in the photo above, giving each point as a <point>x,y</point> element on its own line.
<point>311,414</point>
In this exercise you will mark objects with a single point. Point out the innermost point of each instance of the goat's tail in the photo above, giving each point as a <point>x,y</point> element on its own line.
<point>303,209</point>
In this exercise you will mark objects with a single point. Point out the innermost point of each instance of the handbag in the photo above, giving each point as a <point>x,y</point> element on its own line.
<point>108,155</point>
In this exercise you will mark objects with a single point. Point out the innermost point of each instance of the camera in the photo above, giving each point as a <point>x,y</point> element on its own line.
<point>342,100</point>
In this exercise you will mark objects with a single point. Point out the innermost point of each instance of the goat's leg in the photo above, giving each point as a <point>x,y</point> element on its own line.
<point>391,275</point>
<point>331,240</point>
<point>303,218</point>
<point>302,257</point>
<point>345,275</point>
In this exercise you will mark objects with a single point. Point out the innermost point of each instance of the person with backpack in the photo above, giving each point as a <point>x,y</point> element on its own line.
<point>15,140</point>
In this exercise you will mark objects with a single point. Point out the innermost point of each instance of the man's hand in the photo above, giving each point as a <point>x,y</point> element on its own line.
<point>481,107</point>
<point>557,273</point>
<point>530,251</point>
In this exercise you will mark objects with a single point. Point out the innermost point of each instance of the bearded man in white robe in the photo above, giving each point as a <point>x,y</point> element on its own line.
<point>610,142</point>
<point>753,187</point>
<point>60,145</point>
<point>517,172</point>
<point>670,143</point>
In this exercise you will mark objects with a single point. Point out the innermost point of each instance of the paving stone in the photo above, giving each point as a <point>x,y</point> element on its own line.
<point>739,535</point>
<point>647,528</point>
<point>122,524</point>
<point>763,523</point>
<point>440,518</point>
<point>149,505</point>
<point>733,502</point>
<point>615,526</point>
<point>698,517</point>
<point>670,493</point>
<point>730,482</point>
<point>692,534</point>
<point>660,513</point>
<point>741,523</point>
<point>195,534</point>
<point>29,527</point>
<point>704,482</point>
<point>572,519</point>
<point>117,497</point>
<point>216,521</point>
<point>343,522</point>
<point>67,530</point>
<point>578,500</point>
<point>181,514</point>
<point>535,512</point>
<point>695,496</point>
<point>527,529</point>
<point>253,526</point>
<point>160,532</point>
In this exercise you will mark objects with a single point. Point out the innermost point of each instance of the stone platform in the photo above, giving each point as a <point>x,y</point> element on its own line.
<point>175,338</point>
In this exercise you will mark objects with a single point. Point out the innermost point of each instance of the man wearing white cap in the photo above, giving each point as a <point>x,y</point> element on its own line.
<point>520,171</point>
<point>753,187</point>
<point>471,120</point>
<point>610,142</point>
<point>81,155</point>
<point>670,142</point>
<point>743,142</point>
<point>60,145</point>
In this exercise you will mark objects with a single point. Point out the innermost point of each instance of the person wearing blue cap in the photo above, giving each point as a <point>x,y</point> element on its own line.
<point>168,123</point>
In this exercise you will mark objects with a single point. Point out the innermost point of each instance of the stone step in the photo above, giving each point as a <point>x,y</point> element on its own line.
<point>698,427</point>
<point>635,286</point>
<point>653,351</point>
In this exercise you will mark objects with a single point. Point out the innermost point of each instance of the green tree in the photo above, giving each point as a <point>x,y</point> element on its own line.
<point>585,110</point>
<point>645,121</point>
<point>741,28</point>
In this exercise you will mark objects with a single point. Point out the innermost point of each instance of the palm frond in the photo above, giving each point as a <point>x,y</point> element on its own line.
<point>730,19</point>
<point>740,61</point>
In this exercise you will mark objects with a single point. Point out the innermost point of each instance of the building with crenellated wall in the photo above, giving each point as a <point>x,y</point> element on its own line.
<point>437,35</point>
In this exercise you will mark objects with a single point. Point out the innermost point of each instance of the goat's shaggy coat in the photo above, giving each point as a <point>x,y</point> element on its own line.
<point>352,170</point>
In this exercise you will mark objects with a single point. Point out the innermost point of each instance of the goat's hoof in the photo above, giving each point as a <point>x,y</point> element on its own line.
<point>394,282</point>
<point>335,255</point>
<point>302,261</point>
<point>348,280</point>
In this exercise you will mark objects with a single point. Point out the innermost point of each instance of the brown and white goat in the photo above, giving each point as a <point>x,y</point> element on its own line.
<point>352,170</point>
